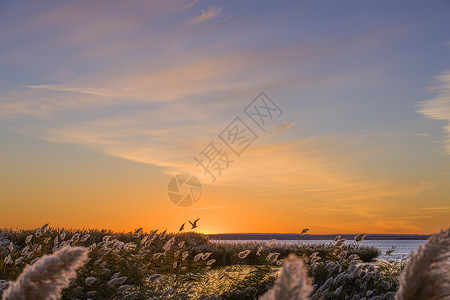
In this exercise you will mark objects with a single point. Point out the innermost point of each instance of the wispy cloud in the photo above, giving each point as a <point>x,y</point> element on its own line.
<point>312,168</point>
<point>70,89</point>
<point>395,134</point>
<point>189,5</point>
<point>438,108</point>
<point>206,15</point>
<point>181,78</point>
<point>285,126</point>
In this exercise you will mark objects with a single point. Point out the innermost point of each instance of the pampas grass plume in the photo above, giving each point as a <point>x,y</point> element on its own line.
<point>427,273</point>
<point>293,282</point>
<point>48,276</point>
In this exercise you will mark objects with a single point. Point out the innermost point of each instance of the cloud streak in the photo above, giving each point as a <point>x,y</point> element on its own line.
<point>284,126</point>
<point>189,5</point>
<point>206,15</point>
<point>438,108</point>
<point>70,89</point>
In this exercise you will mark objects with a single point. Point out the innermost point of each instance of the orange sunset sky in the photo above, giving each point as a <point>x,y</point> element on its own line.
<point>101,103</point>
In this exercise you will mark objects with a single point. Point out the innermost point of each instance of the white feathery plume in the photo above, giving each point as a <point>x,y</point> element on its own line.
<point>427,273</point>
<point>293,282</point>
<point>28,239</point>
<point>44,228</point>
<point>75,237</point>
<point>124,288</point>
<point>85,237</point>
<point>360,237</point>
<point>138,232</point>
<point>25,250</point>
<point>144,239</point>
<point>91,293</point>
<point>154,277</point>
<point>117,281</point>
<point>198,256</point>
<point>8,260</point>
<point>169,244</point>
<point>273,256</point>
<point>206,255</point>
<point>48,276</point>
<point>259,250</point>
<point>271,242</point>
<point>244,254</point>
<point>90,280</point>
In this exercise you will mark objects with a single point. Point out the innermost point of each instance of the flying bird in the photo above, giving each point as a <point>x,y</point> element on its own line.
<point>194,225</point>
<point>304,231</point>
<point>182,227</point>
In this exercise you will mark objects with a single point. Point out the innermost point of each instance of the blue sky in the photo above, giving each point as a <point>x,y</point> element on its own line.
<point>365,89</point>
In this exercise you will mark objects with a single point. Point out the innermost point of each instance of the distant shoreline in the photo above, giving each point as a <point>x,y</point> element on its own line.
<point>293,236</point>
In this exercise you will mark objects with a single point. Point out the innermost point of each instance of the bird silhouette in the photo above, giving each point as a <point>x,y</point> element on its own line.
<point>304,231</point>
<point>182,226</point>
<point>194,225</point>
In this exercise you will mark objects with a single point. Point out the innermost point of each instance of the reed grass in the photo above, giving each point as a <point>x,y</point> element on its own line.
<point>160,265</point>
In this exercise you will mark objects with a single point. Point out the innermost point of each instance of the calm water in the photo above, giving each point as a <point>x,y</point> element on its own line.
<point>402,247</point>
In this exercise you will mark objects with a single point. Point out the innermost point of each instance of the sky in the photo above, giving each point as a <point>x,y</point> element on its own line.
<point>103,102</point>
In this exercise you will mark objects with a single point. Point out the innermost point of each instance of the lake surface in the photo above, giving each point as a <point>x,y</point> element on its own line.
<point>402,247</point>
